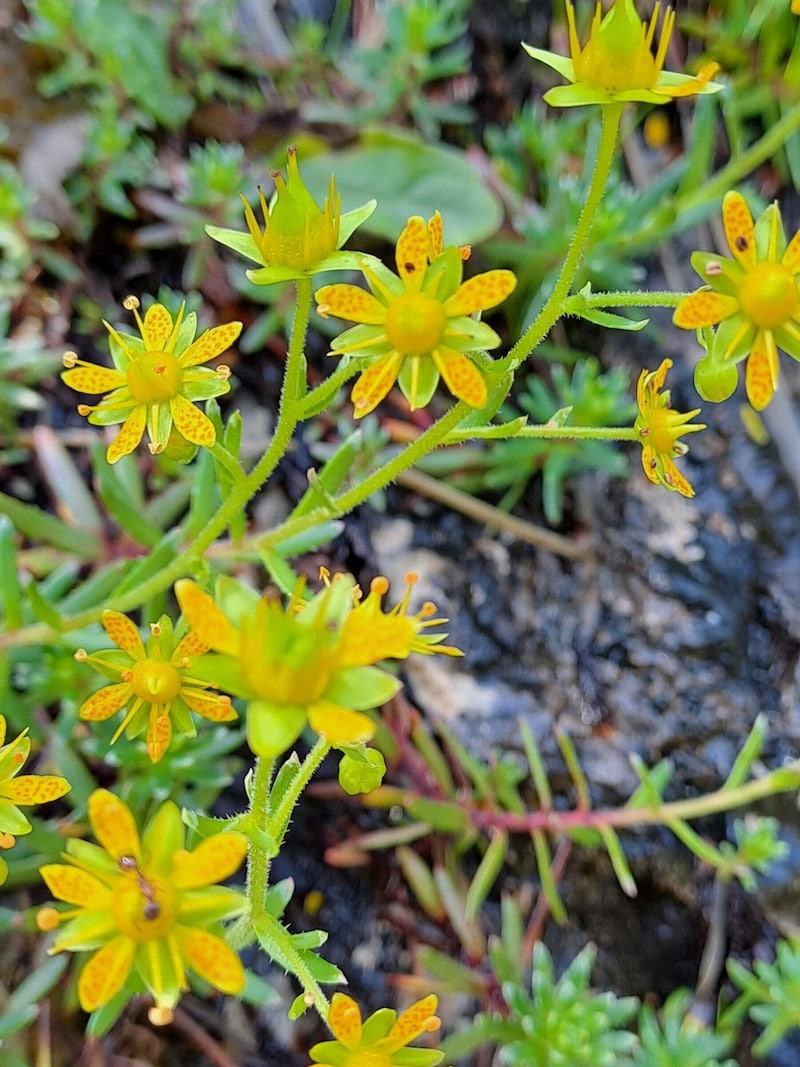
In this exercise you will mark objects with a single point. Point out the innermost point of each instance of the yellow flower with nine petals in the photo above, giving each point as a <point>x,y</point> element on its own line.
<point>156,683</point>
<point>754,299</point>
<point>417,325</point>
<point>382,1040</point>
<point>659,427</point>
<point>147,908</point>
<point>21,789</point>
<point>308,661</point>
<point>299,238</point>
<point>155,379</point>
<point>617,64</point>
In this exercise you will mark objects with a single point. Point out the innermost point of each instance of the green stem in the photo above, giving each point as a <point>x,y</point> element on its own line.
<point>280,818</point>
<point>636,299</point>
<point>271,932</point>
<point>579,433</point>
<point>258,861</point>
<point>552,309</point>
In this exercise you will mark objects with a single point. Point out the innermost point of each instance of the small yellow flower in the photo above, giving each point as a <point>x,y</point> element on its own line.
<point>155,379</point>
<point>17,789</point>
<point>310,660</point>
<point>659,428</point>
<point>147,908</point>
<point>157,685</point>
<point>617,63</point>
<point>754,297</point>
<point>382,1040</point>
<point>419,325</point>
<point>299,238</point>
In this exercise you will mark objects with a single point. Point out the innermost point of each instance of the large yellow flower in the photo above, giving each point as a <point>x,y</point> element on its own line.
<point>617,63</point>
<point>156,684</point>
<point>382,1040</point>
<point>21,790</point>
<point>659,427</point>
<point>147,908</point>
<point>417,325</point>
<point>155,379</point>
<point>754,299</point>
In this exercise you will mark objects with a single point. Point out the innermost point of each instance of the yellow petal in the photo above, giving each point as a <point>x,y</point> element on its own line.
<point>210,344</point>
<point>739,229</point>
<point>214,859</point>
<point>106,973</point>
<point>34,788</point>
<point>350,302</point>
<point>157,327</point>
<point>462,377</point>
<point>113,824</point>
<point>129,435</point>
<point>193,423</point>
<point>212,959</point>
<point>650,463</point>
<point>416,1020</point>
<point>673,479</point>
<point>102,704</point>
<point>203,615</point>
<point>374,383</point>
<point>191,645</point>
<point>484,291</point>
<point>338,725</point>
<point>159,735</point>
<point>791,257</point>
<point>435,235</point>
<point>704,308</point>
<point>344,1019</point>
<point>123,632</point>
<point>691,85</point>
<point>211,706</point>
<point>761,376</point>
<point>411,254</point>
<point>75,886</point>
<point>94,379</point>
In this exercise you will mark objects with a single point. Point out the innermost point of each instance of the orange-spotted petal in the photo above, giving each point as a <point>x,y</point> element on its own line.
<point>739,229</point>
<point>123,632</point>
<point>102,704</point>
<point>156,328</point>
<point>650,463</point>
<point>129,435</point>
<point>791,257</point>
<point>106,973</point>
<point>338,725</point>
<point>462,377</point>
<point>203,615</point>
<point>193,423</point>
<point>94,379</point>
<point>344,1019</point>
<point>761,375</point>
<point>212,959</point>
<point>673,478</point>
<point>113,824</point>
<point>704,308</point>
<point>214,859</point>
<point>191,645</point>
<point>210,344</point>
<point>411,254</point>
<point>435,236</point>
<point>75,886</point>
<point>34,788</point>
<point>374,383</point>
<point>481,292</point>
<point>350,302</point>
<point>212,706</point>
<point>416,1020</point>
<point>159,735</point>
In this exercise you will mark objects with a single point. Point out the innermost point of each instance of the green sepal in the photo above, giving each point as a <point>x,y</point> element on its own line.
<point>361,688</point>
<point>427,380</point>
<point>272,728</point>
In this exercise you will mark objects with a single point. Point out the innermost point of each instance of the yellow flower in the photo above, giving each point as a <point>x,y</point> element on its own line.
<point>157,685</point>
<point>417,326</point>
<point>659,428</point>
<point>155,379</point>
<point>147,908</point>
<point>299,239</point>
<point>380,1041</point>
<point>310,660</point>
<point>755,299</point>
<point>617,63</point>
<point>21,789</point>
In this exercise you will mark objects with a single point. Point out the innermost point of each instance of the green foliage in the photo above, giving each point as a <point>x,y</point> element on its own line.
<point>770,996</point>
<point>24,363</point>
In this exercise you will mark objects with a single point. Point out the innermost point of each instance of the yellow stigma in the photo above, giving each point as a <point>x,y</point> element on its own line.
<point>154,376</point>
<point>155,681</point>
<point>414,323</point>
<point>769,295</point>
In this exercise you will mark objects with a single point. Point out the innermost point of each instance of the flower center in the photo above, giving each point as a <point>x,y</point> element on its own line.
<point>143,907</point>
<point>414,323</point>
<point>768,295</point>
<point>155,681</point>
<point>154,376</point>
